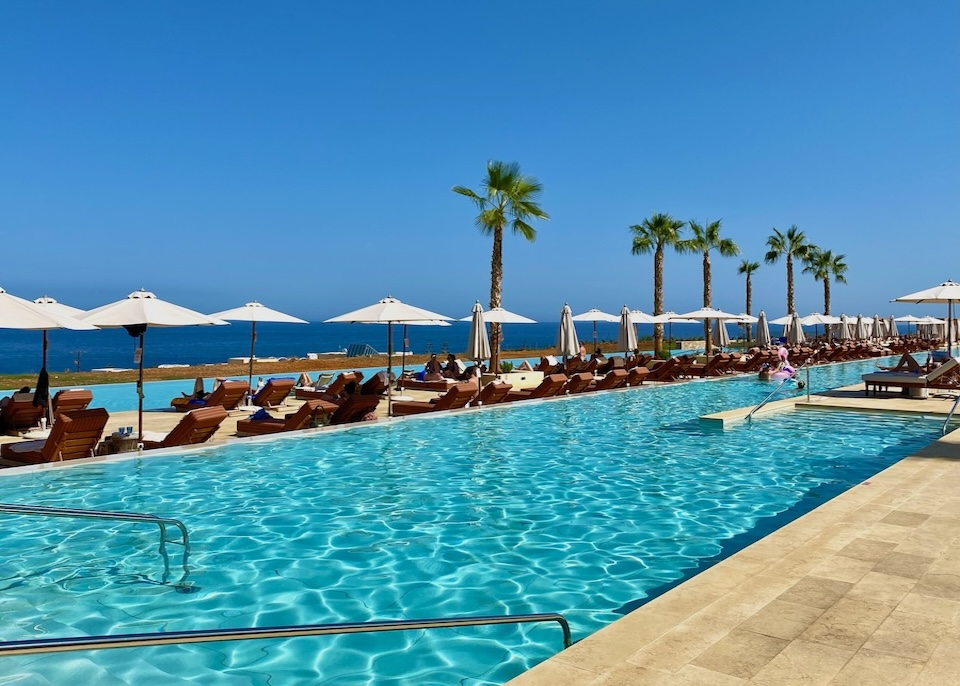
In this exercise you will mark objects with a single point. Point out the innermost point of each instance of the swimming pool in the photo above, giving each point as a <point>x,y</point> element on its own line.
<point>583,506</point>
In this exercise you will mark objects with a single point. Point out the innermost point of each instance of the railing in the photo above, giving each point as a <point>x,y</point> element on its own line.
<point>772,393</point>
<point>62,645</point>
<point>943,430</point>
<point>162,522</point>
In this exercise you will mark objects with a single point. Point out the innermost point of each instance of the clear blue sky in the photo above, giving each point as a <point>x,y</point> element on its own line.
<point>302,153</point>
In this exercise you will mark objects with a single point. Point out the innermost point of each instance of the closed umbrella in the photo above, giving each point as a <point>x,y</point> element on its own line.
<point>627,333</point>
<point>763,331</point>
<point>878,330</point>
<point>254,312</point>
<point>137,312</point>
<point>795,334</point>
<point>388,311</point>
<point>844,334</point>
<point>567,343</point>
<point>594,315</point>
<point>721,337</point>
<point>501,316</point>
<point>946,293</point>
<point>478,345</point>
<point>860,329</point>
<point>892,329</point>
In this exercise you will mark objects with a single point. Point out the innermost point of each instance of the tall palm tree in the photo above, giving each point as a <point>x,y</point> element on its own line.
<point>706,237</point>
<point>823,264</point>
<point>653,235</point>
<point>747,268</point>
<point>506,198</point>
<point>791,245</point>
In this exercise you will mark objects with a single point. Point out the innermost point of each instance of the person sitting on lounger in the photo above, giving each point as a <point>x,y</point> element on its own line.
<point>906,364</point>
<point>5,401</point>
<point>598,356</point>
<point>451,370</point>
<point>433,370</point>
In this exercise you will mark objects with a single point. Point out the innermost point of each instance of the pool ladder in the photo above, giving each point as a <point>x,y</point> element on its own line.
<point>943,430</point>
<point>72,513</point>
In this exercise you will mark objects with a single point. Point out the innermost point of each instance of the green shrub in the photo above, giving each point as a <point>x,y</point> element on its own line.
<point>506,367</point>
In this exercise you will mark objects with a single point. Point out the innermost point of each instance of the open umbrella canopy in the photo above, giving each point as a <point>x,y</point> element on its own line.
<point>48,304</point>
<point>817,319</point>
<point>744,318</point>
<point>763,331</point>
<point>707,313</point>
<point>135,313</point>
<point>595,315</point>
<point>254,312</point>
<point>946,293</point>
<point>627,332</point>
<point>567,343</point>
<point>781,321</point>
<point>501,316</point>
<point>641,317</point>
<point>673,318</point>
<point>17,313</point>
<point>389,311</point>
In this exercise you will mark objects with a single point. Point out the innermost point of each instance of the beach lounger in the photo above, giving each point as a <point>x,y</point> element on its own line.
<point>577,383</point>
<point>196,426</point>
<point>334,390</point>
<point>637,375</point>
<point>378,384</point>
<point>228,395</point>
<point>413,384</point>
<point>667,370</point>
<point>616,378</point>
<point>20,413</point>
<point>73,435</point>
<point>548,388</point>
<point>68,400</point>
<point>946,376</point>
<point>274,393</point>
<point>454,399</point>
<point>354,409</point>
<point>492,393</point>
<point>303,418</point>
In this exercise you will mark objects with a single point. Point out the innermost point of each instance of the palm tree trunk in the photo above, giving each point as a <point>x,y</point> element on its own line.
<point>826,302</point>
<point>749,303</point>
<point>658,298</point>
<point>496,296</point>
<point>708,341</point>
<point>789,285</point>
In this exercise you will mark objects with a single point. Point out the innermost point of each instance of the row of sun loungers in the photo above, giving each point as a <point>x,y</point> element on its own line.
<point>20,412</point>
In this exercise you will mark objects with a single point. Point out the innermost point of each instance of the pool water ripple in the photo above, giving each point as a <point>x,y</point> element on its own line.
<point>582,506</point>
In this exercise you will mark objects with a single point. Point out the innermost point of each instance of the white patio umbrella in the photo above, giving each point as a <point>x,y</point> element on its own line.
<point>908,319</point>
<point>478,345</point>
<point>763,331</point>
<point>746,322</point>
<point>641,317</point>
<point>594,315</point>
<point>947,293</point>
<point>567,343</point>
<point>795,333</point>
<point>67,315</point>
<point>815,319</point>
<point>388,311</point>
<point>254,312</point>
<point>670,318</point>
<point>137,312</point>
<point>501,316</point>
<point>879,329</point>
<point>892,329</point>
<point>627,333</point>
<point>707,315</point>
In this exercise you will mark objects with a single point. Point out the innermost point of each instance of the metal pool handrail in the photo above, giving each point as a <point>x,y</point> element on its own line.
<point>943,430</point>
<point>73,643</point>
<point>789,378</point>
<point>73,513</point>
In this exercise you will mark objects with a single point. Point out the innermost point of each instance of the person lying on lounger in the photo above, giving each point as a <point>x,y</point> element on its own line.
<point>906,364</point>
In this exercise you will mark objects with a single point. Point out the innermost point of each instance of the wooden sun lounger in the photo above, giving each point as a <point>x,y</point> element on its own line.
<point>73,435</point>
<point>492,393</point>
<point>354,409</point>
<point>68,400</point>
<point>273,393</point>
<point>228,395</point>
<point>334,390</point>
<point>197,426</point>
<point>301,419</point>
<point>577,383</point>
<point>20,413</point>
<point>454,399</point>
<point>636,376</point>
<point>616,378</point>
<point>668,370</point>
<point>548,388</point>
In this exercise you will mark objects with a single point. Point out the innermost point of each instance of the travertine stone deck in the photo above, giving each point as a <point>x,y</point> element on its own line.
<point>863,590</point>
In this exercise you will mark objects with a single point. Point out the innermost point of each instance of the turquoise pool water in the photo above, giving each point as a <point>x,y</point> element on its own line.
<point>583,506</point>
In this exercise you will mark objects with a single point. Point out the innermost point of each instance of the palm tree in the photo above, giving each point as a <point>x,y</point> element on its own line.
<point>747,268</point>
<point>823,264</point>
<point>792,244</point>
<point>653,235</point>
<point>506,197</point>
<point>706,237</point>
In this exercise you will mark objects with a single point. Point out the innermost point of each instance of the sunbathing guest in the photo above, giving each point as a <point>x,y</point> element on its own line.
<point>906,364</point>
<point>433,371</point>
<point>4,401</point>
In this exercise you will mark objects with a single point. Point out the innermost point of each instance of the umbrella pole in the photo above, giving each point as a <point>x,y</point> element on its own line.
<point>389,368</point>
<point>594,336</point>
<point>253,340</point>
<point>49,408</point>
<point>403,361</point>
<point>140,393</point>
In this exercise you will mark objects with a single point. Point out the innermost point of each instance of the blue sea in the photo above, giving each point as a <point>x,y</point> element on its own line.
<point>20,351</point>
